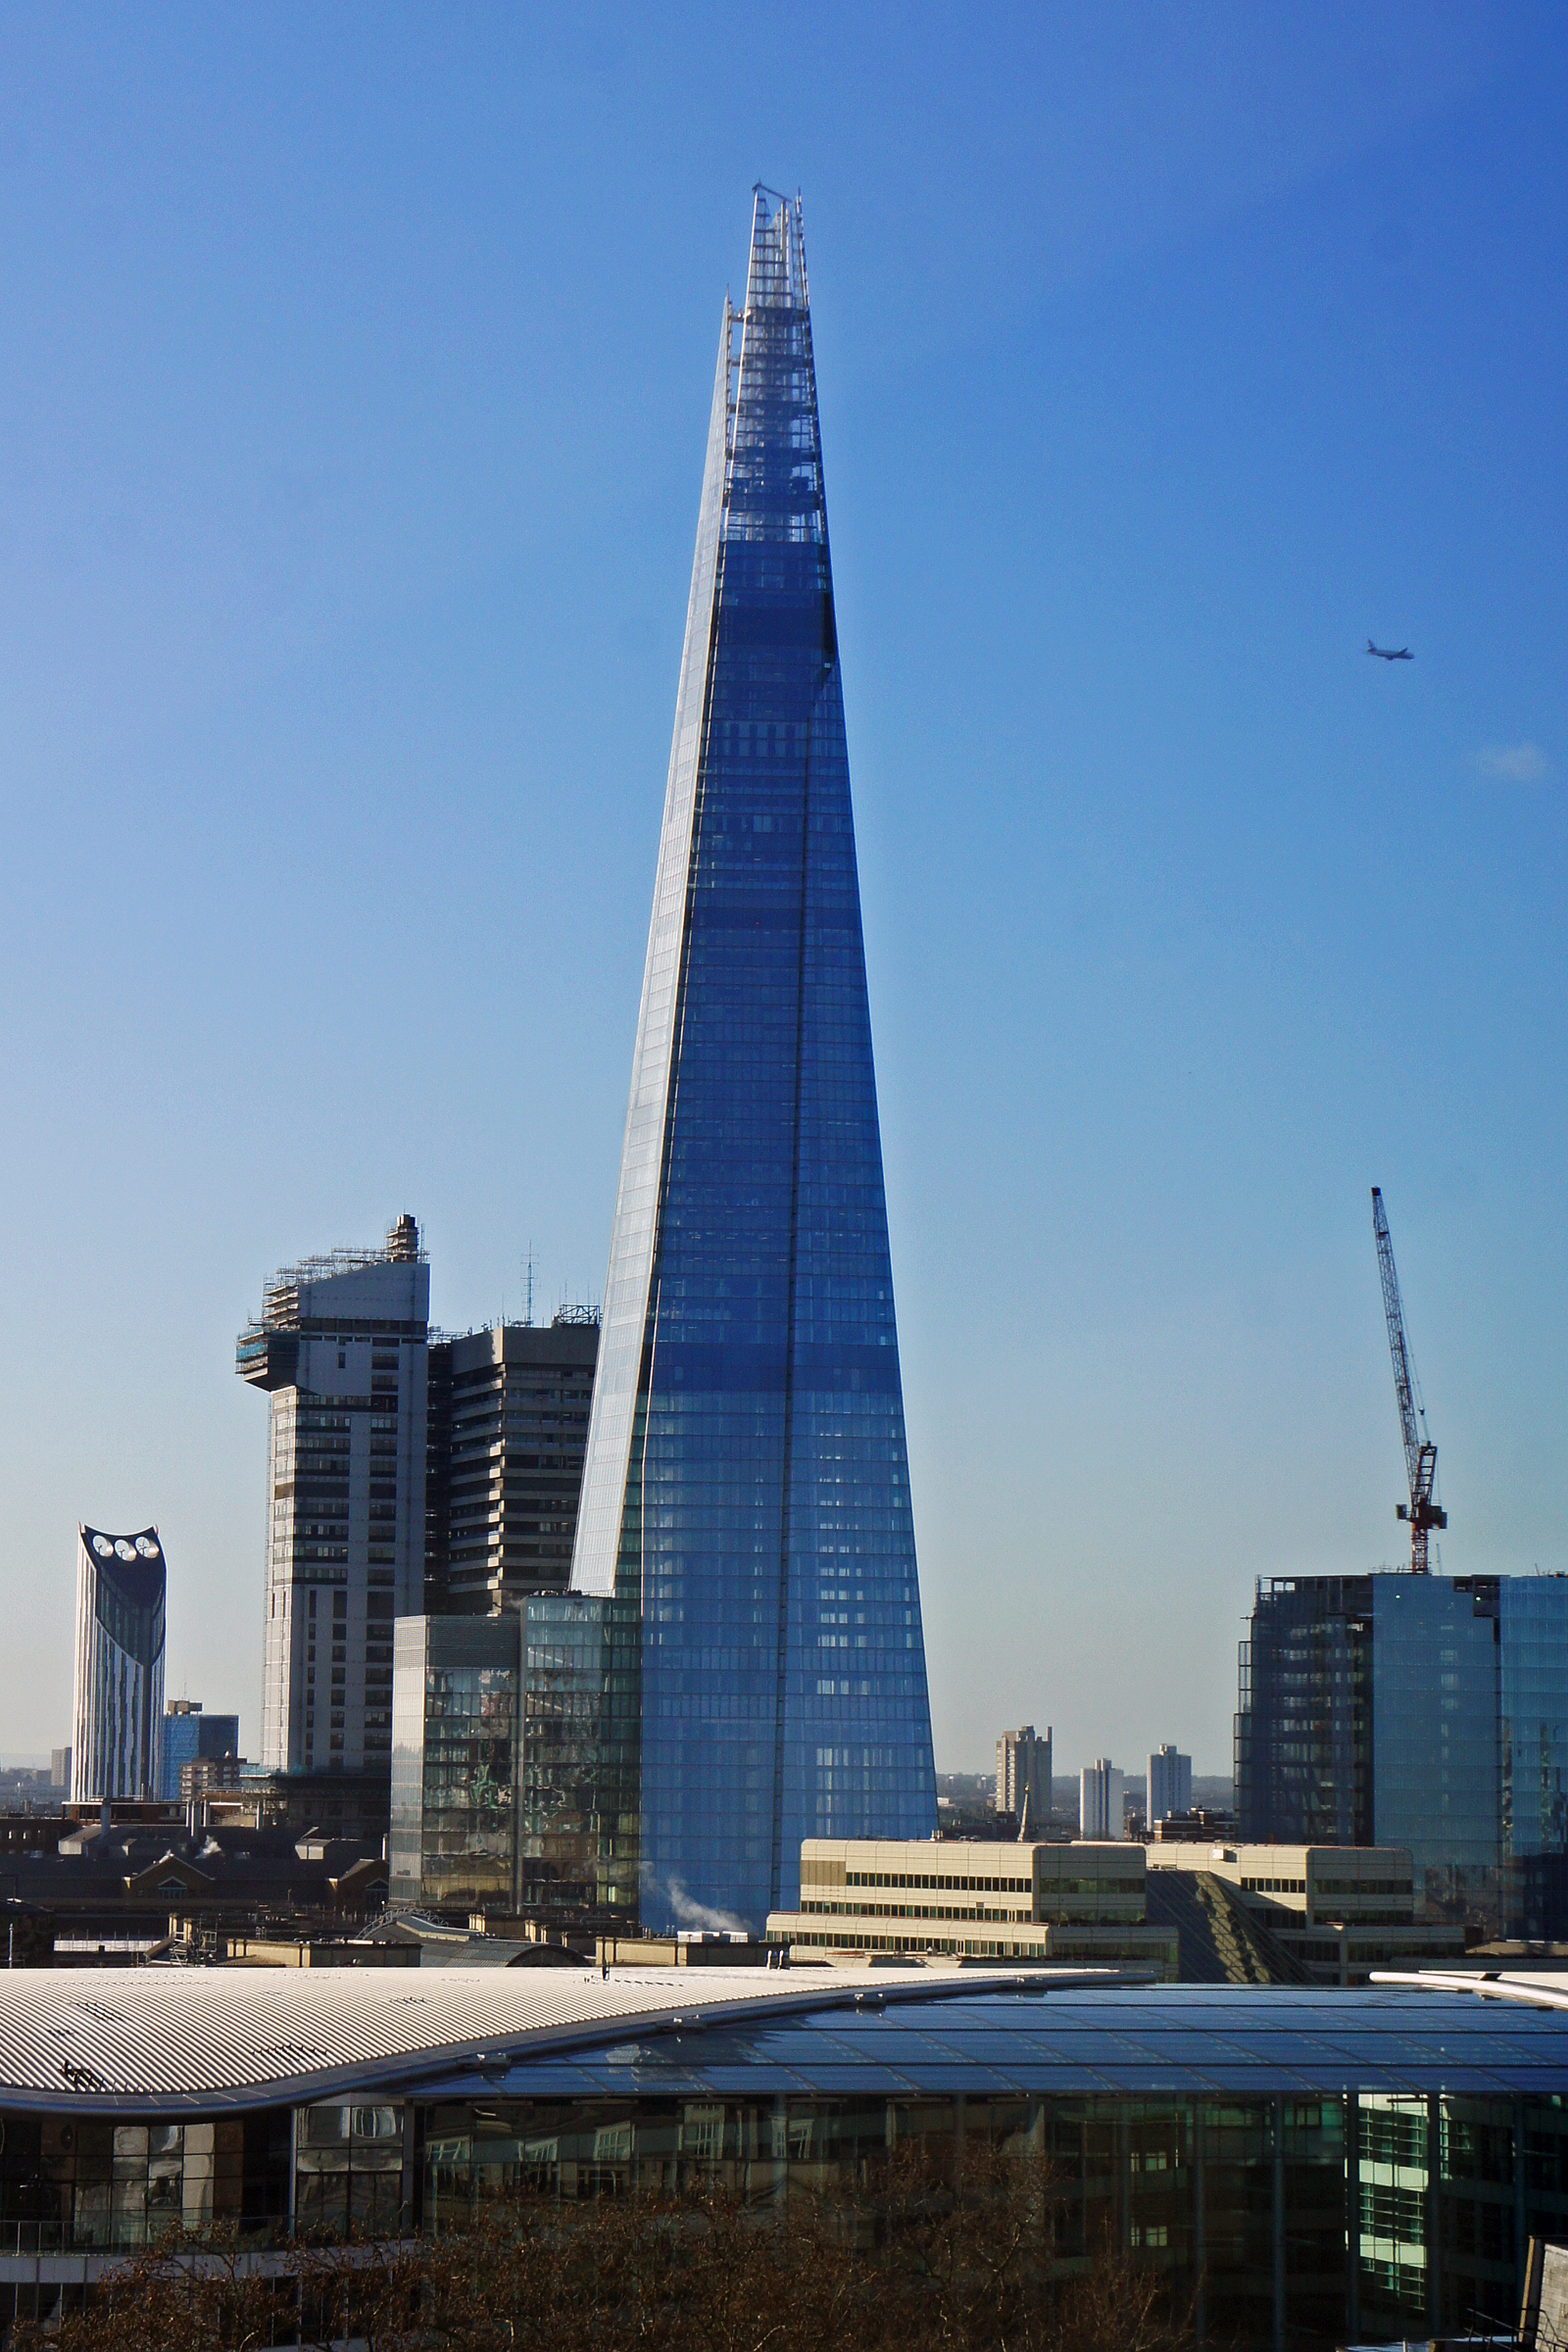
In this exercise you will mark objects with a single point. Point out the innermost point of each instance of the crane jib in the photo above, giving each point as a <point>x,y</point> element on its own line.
<point>1420,1451</point>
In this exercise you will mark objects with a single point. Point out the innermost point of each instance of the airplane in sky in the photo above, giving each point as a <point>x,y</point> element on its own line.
<point>1384,653</point>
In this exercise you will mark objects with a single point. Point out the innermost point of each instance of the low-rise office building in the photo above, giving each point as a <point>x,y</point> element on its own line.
<point>1340,1911</point>
<point>1081,1903</point>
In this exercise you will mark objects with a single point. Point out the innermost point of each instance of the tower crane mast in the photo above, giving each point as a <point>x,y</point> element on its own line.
<point>1422,1510</point>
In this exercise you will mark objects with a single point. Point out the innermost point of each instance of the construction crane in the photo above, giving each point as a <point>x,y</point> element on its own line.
<point>1420,1453</point>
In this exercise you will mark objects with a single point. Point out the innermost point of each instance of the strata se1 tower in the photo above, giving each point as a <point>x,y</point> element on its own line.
<point>118,1700</point>
<point>747,1477</point>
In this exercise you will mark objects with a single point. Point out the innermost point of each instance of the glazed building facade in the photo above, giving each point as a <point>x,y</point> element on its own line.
<point>747,1485</point>
<point>117,1697</point>
<point>1428,1712</point>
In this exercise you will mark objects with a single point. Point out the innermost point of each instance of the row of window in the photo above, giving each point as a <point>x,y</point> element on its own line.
<point>867,1910</point>
<point>940,1884</point>
<point>1362,1886</point>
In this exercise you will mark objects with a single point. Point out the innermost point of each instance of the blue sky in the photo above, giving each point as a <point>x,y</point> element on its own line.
<point>353,396</point>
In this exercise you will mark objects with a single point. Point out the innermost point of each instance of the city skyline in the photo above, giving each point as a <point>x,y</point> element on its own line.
<point>1153,388</point>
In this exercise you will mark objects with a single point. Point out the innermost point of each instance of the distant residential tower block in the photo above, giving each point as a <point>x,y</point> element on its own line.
<point>1023,1778</point>
<point>341,1346</point>
<point>1170,1786</point>
<point>1101,1800</point>
<point>121,1584</point>
<point>747,1484</point>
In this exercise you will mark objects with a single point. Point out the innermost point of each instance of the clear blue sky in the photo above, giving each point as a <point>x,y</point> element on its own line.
<point>353,389</point>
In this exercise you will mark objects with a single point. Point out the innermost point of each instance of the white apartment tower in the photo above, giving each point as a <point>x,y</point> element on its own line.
<point>119,1698</point>
<point>1102,1789</point>
<point>1023,1778</point>
<point>341,1345</point>
<point>1170,1782</point>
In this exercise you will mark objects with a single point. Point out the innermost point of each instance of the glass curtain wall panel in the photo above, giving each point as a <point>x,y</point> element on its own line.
<point>579,1822</point>
<point>1435,1733</point>
<point>1304,1724</point>
<point>456,1762</point>
<point>746,1479</point>
<point>1533,1760</point>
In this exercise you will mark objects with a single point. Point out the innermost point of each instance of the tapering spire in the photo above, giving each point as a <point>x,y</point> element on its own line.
<point>746,1479</point>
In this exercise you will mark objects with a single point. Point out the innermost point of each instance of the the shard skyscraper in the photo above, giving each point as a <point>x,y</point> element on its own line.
<point>747,1481</point>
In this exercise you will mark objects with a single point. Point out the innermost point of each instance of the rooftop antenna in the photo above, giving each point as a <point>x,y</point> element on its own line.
<point>528,1317</point>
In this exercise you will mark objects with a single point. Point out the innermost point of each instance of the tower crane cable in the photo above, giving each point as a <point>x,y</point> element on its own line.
<point>1423,1511</point>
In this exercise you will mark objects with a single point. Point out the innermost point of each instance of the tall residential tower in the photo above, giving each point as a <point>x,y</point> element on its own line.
<point>1023,1779</point>
<point>121,1588</point>
<point>507,1423</point>
<point>341,1346</point>
<point>747,1480</point>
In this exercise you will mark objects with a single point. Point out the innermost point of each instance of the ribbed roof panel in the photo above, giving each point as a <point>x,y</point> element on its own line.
<point>118,2039</point>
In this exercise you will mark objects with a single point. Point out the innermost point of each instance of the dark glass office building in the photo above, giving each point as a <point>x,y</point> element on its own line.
<point>578,1823</point>
<point>514,1763</point>
<point>456,1756</point>
<point>747,1476</point>
<point>1533,1752</point>
<point>505,1428</point>
<point>1429,1712</point>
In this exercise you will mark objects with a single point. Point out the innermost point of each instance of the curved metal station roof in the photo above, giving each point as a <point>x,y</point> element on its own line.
<point>111,2039</point>
<point>183,2040</point>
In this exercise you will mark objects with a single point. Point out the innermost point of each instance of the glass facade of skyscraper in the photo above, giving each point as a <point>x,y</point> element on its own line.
<point>1533,1752</point>
<point>1427,1712</point>
<point>579,1820</point>
<point>456,1757</point>
<point>1434,1658</point>
<point>747,1480</point>
<point>1303,1722</point>
<point>119,1698</point>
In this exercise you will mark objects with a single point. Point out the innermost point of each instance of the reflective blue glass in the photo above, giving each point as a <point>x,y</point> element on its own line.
<point>759,1469</point>
<point>1435,1730</point>
<point>1371,1714</point>
<point>1261,2041</point>
<point>1534,1753</point>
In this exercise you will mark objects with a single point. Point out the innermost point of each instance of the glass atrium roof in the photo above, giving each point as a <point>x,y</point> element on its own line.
<point>1179,2042</point>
